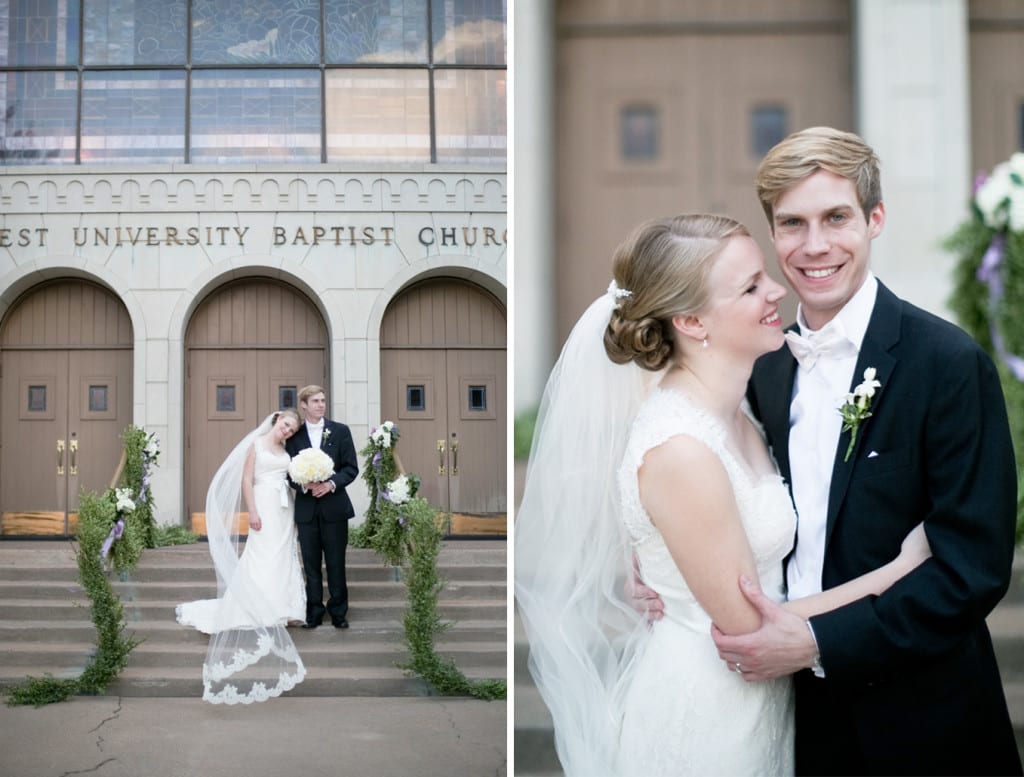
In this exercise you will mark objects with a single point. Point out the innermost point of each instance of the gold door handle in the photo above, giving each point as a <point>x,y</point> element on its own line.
<point>455,455</point>
<point>73,446</point>
<point>440,457</point>
<point>60,457</point>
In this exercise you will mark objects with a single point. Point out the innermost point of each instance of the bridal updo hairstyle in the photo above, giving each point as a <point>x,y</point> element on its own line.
<point>287,411</point>
<point>665,263</point>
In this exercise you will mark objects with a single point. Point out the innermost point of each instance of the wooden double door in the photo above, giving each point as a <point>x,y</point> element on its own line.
<point>65,400</point>
<point>250,347</point>
<point>443,370</point>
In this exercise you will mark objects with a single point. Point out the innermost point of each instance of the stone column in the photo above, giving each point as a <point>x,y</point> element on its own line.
<point>913,107</point>
<point>534,205</point>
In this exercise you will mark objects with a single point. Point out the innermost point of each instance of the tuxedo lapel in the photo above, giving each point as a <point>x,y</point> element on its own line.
<point>775,376</point>
<point>879,351</point>
<point>302,438</point>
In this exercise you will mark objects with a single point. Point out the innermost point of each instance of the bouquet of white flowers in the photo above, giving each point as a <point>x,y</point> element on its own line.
<point>310,465</point>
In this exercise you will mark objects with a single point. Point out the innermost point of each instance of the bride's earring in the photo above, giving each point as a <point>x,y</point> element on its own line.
<point>704,345</point>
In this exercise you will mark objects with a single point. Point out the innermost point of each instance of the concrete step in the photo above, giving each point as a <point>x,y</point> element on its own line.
<point>149,610</point>
<point>320,681</point>
<point>363,626</point>
<point>337,651</point>
<point>46,627</point>
<point>185,590</point>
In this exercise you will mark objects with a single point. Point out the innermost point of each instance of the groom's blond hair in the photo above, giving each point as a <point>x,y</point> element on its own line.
<point>804,153</point>
<point>307,391</point>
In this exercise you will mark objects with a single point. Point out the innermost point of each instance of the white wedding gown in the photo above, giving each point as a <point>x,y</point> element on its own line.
<point>684,712</point>
<point>269,566</point>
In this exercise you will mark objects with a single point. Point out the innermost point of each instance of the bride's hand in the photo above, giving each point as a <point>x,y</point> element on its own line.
<point>915,548</point>
<point>254,522</point>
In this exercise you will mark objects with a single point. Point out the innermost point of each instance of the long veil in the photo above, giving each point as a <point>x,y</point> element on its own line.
<point>572,552</point>
<point>253,662</point>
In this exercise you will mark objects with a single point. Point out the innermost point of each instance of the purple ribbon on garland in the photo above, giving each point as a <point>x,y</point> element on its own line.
<point>115,534</point>
<point>989,273</point>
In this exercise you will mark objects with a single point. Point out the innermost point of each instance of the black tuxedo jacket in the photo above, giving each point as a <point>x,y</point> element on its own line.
<point>912,684</point>
<point>339,446</point>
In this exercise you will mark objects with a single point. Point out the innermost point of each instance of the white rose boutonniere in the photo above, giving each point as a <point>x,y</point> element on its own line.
<point>856,407</point>
<point>326,436</point>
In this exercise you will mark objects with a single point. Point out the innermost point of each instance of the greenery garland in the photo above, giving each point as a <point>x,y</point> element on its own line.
<point>988,290</point>
<point>406,531</point>
<point>113,529</point>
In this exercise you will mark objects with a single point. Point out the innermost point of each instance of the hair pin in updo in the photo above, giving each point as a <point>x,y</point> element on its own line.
<point>616,293</point>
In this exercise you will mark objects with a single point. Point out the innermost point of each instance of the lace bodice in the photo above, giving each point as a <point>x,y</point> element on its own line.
<point>764,505</point>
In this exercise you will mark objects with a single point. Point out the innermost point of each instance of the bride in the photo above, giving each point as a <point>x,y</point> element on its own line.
<point>251,657</point>
<point>646,451</point>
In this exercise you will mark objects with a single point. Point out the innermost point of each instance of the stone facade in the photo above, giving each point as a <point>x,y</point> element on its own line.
<point>163,239</point>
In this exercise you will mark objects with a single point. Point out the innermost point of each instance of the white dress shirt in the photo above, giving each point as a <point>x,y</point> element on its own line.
<point>315,432</point>
<point>815,425</point>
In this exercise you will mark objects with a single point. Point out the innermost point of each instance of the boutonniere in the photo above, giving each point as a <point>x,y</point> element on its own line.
<point>856,407</point>
<point>326,436</point>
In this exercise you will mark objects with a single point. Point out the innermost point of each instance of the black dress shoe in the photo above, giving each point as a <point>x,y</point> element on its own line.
<point>339,623</point>
<point>312,623</point>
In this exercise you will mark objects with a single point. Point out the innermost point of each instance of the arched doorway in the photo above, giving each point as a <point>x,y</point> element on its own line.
<point>443,381</point>
<point>250,346</point>
<point>65,399</point>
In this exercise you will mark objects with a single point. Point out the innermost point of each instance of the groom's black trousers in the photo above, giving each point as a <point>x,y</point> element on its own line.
<point>321,540</point>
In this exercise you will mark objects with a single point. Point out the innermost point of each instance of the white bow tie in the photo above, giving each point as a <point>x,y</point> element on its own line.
<point>830,341</point>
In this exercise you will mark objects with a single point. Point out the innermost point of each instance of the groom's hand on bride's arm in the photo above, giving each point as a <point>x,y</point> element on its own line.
<point>642,598</point>
<point>783,645</point>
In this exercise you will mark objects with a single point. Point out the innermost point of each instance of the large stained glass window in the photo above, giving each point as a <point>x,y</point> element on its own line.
<point>133,115</point>
<point>135,32</point>
<point>39,117</point>
<point>256,115</point>
<point>223,81</point>
<point>378,115</point>
<point>227,32</point>
<point>39,33</point>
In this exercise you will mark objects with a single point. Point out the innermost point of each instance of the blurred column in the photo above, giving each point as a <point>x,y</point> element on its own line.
<point>534,205</point>
<point>912,103</point>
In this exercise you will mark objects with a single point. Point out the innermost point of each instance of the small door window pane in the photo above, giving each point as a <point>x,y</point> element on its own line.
<point>225,399</point>
<point>478,397</point>
<point>287,396</point>
<point>416,397</point>
<point>98,399</point>
<point>767,128</point>
<point>37,399</point>
<point>640,133</point>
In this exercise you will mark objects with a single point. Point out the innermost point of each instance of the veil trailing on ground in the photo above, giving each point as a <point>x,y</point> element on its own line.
<point>244,662</point>
<point>572,552</point>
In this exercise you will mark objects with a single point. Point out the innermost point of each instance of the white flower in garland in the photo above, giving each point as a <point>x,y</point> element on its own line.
<point>384,435</point>
<point>399,490</point>
<point>1000,199</point>
<point>124,501</point>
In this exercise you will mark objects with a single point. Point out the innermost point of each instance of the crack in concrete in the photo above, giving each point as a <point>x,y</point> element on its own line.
<point>451,720</point>
<point>96,768</point>
<point>99,739</point>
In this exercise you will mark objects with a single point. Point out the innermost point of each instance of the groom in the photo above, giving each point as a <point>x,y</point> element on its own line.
<point>322,510</point>
<point>905,682</point>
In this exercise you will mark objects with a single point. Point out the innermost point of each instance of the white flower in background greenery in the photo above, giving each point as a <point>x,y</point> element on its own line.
<point>125,503</point>
<point>399,490</point>
<point>1000,199</point>
<point>385,435</point>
